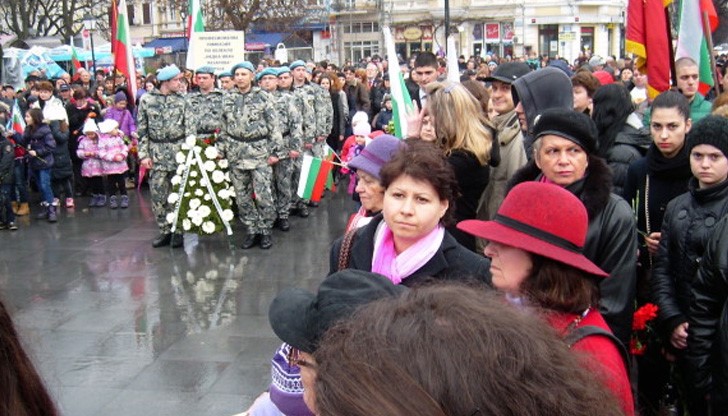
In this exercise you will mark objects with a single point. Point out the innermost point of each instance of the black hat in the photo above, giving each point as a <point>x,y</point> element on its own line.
<point>508,72</point>
<point>570,125</point>
<point>712,130</point>
<point>64,87</point>
<point>300,318</point>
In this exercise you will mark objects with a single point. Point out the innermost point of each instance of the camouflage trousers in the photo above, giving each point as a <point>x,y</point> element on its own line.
<point>282,187</point>
<point>160,186</point>
<point>257,214</point>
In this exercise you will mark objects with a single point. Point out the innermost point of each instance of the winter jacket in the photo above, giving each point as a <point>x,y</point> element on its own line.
<point>538,91</point>
<point>699,109</point>
<point>88,151</point>
<point>76,118</point>
<point>471,177</point>
<point>707,352</point>
<point>689,223</point>
<point>7,161</point>
<point>630,144</point>
<point>358,97</point>
<point>62,167</point>
<point>382,119</point>
<point>611,241</point>
<point>124,118</point>
<point>109,147</point>
<point>451,262</point>
<point>41,140</point>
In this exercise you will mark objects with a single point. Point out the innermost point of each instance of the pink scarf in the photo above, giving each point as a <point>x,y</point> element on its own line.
<point>396,267</point>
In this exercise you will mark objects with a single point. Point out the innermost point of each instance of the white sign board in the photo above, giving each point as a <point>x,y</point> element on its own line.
<point>220,50</point>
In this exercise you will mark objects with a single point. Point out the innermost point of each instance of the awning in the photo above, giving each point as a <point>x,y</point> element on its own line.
<point>263,41</point>
<point>168,45</point>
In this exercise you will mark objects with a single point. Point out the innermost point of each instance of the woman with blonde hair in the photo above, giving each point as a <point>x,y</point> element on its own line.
<point>453,118</point>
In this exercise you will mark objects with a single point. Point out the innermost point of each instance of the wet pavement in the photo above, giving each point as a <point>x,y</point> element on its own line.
<point>117,327</point>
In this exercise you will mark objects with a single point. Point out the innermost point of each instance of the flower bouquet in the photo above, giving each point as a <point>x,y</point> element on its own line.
<point>642,331</point>
<point>203,200</point>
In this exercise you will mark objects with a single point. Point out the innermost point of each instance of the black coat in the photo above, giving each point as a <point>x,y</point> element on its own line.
<point>62,167</point>
<point>630,145</point>
<point>41,140</point>
<point>7,161</point>
<point>689,223</point>
<point>472,178</point>
<point>451,262</point>
<point>611,241</point>
<point>707,353</point>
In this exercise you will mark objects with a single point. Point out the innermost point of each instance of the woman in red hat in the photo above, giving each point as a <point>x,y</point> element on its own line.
<point>535,246</point>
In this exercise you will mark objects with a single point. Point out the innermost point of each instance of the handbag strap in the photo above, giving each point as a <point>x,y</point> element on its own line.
<point>345,252</point>
<point>591,330</point>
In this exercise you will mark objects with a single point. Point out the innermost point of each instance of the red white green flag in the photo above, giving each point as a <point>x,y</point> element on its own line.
<point>401,101</point>
<point>123,57</point>
<point>195,24</point>
<point>314,175</point>
<point>647,39</point>
<point>75,63</point>
<point>691,41</point>
<point>16,122</point>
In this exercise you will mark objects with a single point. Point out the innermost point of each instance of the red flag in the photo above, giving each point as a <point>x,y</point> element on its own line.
<point>113,22</point>
<point>647,38</point>
<point>75,63</point>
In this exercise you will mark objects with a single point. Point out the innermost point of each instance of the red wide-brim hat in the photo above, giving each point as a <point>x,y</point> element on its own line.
<point>542,219</point>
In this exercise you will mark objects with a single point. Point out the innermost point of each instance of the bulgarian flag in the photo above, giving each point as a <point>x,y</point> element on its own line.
<point>330,156</point>
<point>401,101</point>
<point>75,63</point>
<point>16,122</point>
<point>195,24</point>
<point>647,39</point>
<point>123,57</point>
<point>691,41</point>
<point>314,175</point>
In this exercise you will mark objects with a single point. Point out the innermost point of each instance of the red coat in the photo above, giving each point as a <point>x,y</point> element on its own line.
<point>600,356</point>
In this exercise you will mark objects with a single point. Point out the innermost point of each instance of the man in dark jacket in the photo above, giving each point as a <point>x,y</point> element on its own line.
<point>538,91</point>
<point>565,154</point>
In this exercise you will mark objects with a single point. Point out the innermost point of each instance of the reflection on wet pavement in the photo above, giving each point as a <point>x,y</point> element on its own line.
<point>119,328</point>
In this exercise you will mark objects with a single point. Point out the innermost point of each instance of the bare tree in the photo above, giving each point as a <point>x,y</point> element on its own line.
<point>30,18</point>
<point>246,14</point>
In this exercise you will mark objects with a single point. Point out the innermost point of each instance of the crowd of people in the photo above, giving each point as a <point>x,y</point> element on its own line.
<point>533,207</point>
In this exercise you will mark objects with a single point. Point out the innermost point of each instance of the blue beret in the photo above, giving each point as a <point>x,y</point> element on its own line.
<point>168,72</point>
<point>267,71</point>
<point>296,64</point>
<point>284,69</point>
<point>245,65</point>
<point>205,70</point>
<point>225,74</point>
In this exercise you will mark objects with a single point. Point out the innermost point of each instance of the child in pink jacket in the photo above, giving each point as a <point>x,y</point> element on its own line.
<point>88,151</point>
<point>113,152</point>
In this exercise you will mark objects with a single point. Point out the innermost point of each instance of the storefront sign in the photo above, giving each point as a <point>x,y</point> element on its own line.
<point>492,32</point>
<point>508,31</point>
<point>412,33</point>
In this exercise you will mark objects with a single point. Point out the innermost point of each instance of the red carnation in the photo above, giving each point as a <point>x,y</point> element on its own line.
<point>644,315</point>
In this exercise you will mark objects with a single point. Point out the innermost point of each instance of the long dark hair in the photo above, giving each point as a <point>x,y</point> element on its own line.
<point>36,115</point>
<point>22,392</point>
<point>447,349</point>
<point>612,106</point>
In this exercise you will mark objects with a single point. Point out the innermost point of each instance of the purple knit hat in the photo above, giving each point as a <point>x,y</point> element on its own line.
<point>376,154</point>
<point>286,389</point>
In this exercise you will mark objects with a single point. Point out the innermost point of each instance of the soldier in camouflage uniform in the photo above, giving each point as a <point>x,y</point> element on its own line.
<point>305,109</point>
<point>226,81</point>
<point>206,103</point>
<point>289,120</point>
<point>164,120</point>
<point>252,142</point>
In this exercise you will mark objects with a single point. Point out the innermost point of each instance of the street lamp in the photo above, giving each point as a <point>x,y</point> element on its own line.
<point>89,23</point>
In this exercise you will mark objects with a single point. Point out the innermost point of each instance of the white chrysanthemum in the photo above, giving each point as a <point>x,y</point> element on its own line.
<point>191,213</point>
<point>173,198</point>
<point>207,197</point>
<point>204,211</point>
<point>191,183</point>
<point>223,163</point>
<point>227,176</point>
<point>223,194</point>
<point>197,220</point>
<point>170,217</point>
<point>184,146</point>
<point>203,182</point>
<point>191,141</point>
<point>187,194</point>
<point>208,227</point>
<point>180,169</point>
<point>218,176</point>
<point>176,180</point>
<point>228,215</point>
<point>209,166</point>
<point>198,149</point>
<point>211,152</point>
<point>195,203</point>
<point>186,224</point>
<point>199,192</point>
<point>180,158</point>
<point>193,174</point>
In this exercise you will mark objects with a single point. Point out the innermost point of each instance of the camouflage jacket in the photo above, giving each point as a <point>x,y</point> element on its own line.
<point>163,123</point>
<point>289,119</point>
<point>208,111</point>
<point>324,111</point>
<point>250,128</point>
<point>306,103</point>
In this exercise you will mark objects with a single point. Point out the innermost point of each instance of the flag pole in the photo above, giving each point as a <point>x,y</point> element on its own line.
<point>668,25</point>
<point>709,39</point>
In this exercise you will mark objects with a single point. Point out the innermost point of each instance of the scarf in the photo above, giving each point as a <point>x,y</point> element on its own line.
<point>396,267</point>
<point>676,168</point>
